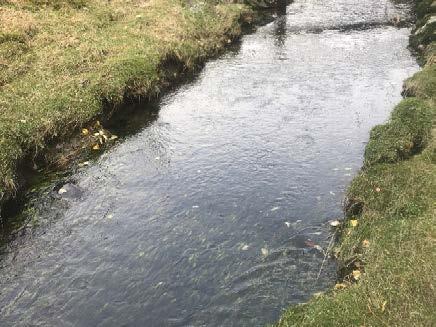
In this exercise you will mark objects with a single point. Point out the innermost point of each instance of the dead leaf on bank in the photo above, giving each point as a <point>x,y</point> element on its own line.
<point>378,189</point>
<point>96,147</point>
<point>383,306</point>
<point>356,274</point>
<point>365,243</point>
<point>85,131</point>
<point>353,222</point>
<point>340,286</point>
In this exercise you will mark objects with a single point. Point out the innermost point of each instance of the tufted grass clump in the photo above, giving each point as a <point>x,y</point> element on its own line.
<point>406,133</point>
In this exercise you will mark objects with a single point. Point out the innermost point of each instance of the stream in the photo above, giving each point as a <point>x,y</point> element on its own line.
<point>215,211</point>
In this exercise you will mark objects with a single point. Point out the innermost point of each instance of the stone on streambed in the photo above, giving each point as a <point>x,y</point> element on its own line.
<point>302,241</point>
<point>69,191</point>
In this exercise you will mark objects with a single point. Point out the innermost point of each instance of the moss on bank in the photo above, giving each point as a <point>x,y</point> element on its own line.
<point>388,260</point>
<point>63,61</point>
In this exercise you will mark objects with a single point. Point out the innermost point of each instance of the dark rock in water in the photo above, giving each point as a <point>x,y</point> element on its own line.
<point>300,241</point>
<point>69,191</point>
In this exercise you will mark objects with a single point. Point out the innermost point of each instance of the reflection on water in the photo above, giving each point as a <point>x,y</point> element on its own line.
<point>280,29</point>
<point>208,215</point>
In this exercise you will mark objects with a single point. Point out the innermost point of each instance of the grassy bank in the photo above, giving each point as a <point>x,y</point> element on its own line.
<point>387,242</point>
<point>62,62</point>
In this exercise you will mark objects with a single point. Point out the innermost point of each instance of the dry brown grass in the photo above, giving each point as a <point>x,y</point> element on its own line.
<point>13,21</point>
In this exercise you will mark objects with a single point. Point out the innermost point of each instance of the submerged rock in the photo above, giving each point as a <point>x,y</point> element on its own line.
<point>69,191</point>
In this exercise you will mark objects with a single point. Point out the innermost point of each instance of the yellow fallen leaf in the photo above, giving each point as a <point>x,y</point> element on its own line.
<point>340,286</point>
<point>85,131</point>
<point>365,243</point>
<point>356,274</point>
<point>96,147</point>
<point>353,222</point>
<point>383,306</point>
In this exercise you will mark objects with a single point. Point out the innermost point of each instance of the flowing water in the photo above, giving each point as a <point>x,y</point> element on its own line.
<point>214,212</point>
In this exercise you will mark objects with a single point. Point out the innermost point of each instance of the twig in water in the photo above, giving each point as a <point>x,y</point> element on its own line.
<point>326,252</point>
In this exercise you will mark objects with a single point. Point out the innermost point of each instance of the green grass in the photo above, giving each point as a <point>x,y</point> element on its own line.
<point>393,200</point>
<point>424,33</point>
<point>63,61</point>
<point>407,132</point>
<point>423,84</point>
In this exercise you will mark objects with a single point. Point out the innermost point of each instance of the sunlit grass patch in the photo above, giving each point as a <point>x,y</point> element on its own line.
<point>62,61</point>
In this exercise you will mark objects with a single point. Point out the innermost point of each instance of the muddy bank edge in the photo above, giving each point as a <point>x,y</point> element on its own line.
<point>386,245</point>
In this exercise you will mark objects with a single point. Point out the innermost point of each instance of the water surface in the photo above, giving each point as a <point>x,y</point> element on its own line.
<point>208,215</point>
